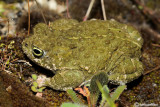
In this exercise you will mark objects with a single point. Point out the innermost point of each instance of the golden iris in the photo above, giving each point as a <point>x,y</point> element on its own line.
<point>37,52</point>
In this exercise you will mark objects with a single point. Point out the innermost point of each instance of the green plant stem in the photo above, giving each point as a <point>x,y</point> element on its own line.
<point>117,92</point>
<point>105,93</point>
<point>73,96</point>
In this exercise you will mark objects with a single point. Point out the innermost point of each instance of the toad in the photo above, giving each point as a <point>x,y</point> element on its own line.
<point>76,51</point>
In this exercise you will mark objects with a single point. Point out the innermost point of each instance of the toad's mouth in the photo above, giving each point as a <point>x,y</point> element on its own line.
<point>45,63</point>
<point>40,68</point>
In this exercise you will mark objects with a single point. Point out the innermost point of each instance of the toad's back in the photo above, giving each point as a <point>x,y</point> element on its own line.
<point>91,45</point>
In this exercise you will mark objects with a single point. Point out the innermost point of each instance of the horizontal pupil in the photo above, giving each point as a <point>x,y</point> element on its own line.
<point>36,51</point>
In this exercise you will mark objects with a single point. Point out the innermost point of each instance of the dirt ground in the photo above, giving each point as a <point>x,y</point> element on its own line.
<point>15,72</point>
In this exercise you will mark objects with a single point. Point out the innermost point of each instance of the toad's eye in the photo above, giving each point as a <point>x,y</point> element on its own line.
<point>37,52</point>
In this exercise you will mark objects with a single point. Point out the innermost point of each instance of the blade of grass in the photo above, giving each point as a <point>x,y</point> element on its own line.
<point>72,105</point>
<point>105,94</point>
<point>73,96</point>
<point>117,92</point>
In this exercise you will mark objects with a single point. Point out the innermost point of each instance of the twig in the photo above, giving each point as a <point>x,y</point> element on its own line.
<point>152,32</point>
<point>23,61</point>
<point>28,18</point>
<point>9,72</point>
<point>14,60</point>
<point>144,9</point>
<point>68,15</point>
<point>41,12</point>
<point>154,69</point>
<point>152,15</point>
<point>103,10</point>
<point>156,45</point>
<point>89,10</point>
<point>8,25</point>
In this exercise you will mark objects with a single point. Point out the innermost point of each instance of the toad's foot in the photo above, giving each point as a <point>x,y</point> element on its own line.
<point>67,79</point>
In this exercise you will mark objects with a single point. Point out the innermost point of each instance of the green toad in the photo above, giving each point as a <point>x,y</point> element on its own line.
<point>76,51</point>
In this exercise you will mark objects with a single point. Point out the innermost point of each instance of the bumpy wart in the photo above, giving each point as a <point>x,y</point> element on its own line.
<point>76,52</point>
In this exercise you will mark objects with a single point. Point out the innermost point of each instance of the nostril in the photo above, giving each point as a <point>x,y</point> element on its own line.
<point>26,45</point>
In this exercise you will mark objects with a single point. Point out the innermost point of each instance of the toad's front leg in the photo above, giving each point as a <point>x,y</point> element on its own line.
<point>64,80</point>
